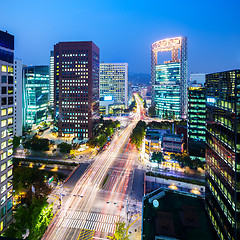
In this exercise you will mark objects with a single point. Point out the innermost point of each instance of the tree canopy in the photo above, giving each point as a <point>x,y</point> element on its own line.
<point>138,133</point>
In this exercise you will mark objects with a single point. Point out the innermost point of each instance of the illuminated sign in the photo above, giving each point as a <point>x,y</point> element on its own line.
<point>211,100</point>
<point>107,98</point>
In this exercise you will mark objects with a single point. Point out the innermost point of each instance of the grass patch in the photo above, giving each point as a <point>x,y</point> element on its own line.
<point>105,180</point>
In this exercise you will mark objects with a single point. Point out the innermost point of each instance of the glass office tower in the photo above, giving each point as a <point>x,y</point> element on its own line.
<point>196,113</point>
<point>6,127</point>
<point>35,95</point>
<point>223,152</point>
<point>170,76</point>
<point>114,82</point>
<point>167,90</point>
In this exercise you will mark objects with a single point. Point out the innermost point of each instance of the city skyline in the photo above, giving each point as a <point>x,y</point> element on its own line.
<point>142,23</point>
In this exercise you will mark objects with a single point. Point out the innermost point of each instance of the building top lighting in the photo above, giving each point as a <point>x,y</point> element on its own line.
<point>167,44</point>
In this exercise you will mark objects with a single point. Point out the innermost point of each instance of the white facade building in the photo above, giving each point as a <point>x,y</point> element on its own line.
<point>114,83</point>
<point>18,92</point>
<point>6,127</point>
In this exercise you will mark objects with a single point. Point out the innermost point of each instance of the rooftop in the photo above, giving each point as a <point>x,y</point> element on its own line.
<point>176,215</point>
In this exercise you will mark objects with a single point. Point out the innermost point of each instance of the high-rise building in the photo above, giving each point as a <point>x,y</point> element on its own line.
<point>114,83</point>
<point>7,123</point>
<point>76,71</point>
<point>35,95</point>
<point>169,79</point>
<point>223,152</point>
<point>196,113</point>
<point>51,79</point>
<point>18,92</point>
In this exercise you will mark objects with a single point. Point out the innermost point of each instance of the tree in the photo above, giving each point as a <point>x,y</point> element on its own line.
<point>157,157</point>
<point>138,133</point>
<point>64,147</point>
<point>16,142</point>
<point>152,111</point>
<point>121,231</point>
<point>35,218</point>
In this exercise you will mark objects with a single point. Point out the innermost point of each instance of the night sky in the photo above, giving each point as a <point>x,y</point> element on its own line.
<point>125,30</point>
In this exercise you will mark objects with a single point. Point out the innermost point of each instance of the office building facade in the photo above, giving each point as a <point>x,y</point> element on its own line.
<point>35,95</point>
<point>51,79</point>
<point>196,113</point>
<point>7,124</point>
<point>223,152</point>
<point>76,71</point>
<point>169,79</point>
<point>114,83</point>
<point>18,92</point>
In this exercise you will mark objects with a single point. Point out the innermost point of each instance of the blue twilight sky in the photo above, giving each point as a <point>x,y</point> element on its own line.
<point>125,29</point>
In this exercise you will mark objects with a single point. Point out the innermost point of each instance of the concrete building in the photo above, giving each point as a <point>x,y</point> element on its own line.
<point>172,143</point>
<point>223,153</point>
<point>153,141</point>
<point>114,83</point>
<point>18,93</point>
<point>35,95</point>
<point>7,126</point>
<point>169,79</point>
<point>76,88</point>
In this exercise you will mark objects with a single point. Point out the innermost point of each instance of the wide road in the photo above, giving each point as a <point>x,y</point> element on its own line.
<point>94,207</point>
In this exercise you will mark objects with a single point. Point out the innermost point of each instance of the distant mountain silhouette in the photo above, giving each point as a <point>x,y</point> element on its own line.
<point>141,78</point>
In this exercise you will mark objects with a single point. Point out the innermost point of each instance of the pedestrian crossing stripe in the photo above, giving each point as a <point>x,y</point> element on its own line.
<point>90,221</point>
<point>86,234</point>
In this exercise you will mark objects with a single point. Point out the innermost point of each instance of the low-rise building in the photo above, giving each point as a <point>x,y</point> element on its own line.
<point>153,140</point>
<point>172,143</point>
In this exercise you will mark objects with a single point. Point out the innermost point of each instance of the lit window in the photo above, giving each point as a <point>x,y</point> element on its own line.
<point>3,188</point>
<point>10,110</point>
<point>10,152</point>
<point>3,112</point>
<point>3,177</point>
<point>3,199</point>
<point>9,194</point>
<point>3,123</point>
<point>10,69</point>
<point>9,173</point>
<point>10,121</point>
<point>9,162</point>
<point>3,155</point>
<point>3,144</point>
<point>4,68</point>
<point>3,167</point>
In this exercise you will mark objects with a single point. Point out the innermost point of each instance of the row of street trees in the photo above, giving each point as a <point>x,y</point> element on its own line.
<point>138,134</point>
<point>35,214</point>
<point>185,161</point>
<point>105,130</point>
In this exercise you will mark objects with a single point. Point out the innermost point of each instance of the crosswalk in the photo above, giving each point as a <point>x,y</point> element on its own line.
<point>90,221</point>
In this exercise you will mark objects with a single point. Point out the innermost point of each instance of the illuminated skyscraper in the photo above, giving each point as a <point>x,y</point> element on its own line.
<point>51,78</point>
<point>35,95</point>
<point>76,72</point>
<point>114,82</point>
<point>7,124</point>
<point>169,79</point>
<point>196,113</point>
<point>223,153</point>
